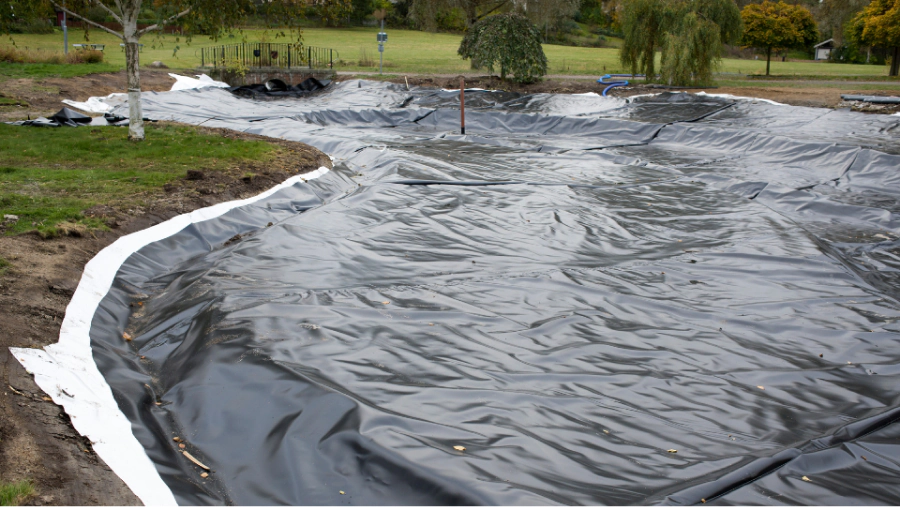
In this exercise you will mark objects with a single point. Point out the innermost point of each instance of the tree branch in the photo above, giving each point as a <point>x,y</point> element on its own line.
<point>110,11</point>
<point>494,8</point>
<point>86,20</point>
<point>164,22</point>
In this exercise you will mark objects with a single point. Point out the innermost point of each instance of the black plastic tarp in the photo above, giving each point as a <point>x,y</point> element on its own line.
<point>675,299</point>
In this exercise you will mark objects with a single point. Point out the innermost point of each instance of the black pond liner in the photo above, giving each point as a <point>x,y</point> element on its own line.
<point>670,300</point>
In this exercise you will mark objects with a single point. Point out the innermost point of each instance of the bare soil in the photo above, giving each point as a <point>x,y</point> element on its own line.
<point>37,441</point>
<point>42,97</point>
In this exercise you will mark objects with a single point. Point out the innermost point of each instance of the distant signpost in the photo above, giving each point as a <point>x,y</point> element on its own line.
<point>382,38</point>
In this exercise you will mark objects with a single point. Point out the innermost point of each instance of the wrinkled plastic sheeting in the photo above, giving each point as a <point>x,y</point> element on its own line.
<point>676,300</point>
<point>65,117</point>
<point>99,104</point>
<point>190,83</point>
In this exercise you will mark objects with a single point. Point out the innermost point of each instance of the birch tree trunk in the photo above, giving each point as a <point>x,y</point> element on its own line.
<point>132,70</point>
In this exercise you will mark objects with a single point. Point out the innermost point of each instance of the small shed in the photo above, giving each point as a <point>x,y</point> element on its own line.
<point>823,49</point>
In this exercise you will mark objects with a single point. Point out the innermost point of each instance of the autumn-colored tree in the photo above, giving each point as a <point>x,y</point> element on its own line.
<point>691,34</point>
<point>879,25</point>
<point>778,26</point>
<point>211,17</point>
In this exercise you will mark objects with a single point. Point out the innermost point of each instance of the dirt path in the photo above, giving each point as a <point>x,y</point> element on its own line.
<point>37,441</point>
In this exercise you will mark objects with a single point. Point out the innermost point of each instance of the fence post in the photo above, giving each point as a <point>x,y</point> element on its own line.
<point>309,56</point>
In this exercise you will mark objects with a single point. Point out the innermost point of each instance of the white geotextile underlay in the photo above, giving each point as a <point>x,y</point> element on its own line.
<point>99,105</point>
<point>737,97</point>
<point>66,370</point>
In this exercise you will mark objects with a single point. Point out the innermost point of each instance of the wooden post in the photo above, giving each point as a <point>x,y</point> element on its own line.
<point>462,105</point>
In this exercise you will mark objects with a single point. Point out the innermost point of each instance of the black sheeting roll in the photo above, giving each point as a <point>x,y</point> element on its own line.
<point>647,312</point>
<point>276,88</point>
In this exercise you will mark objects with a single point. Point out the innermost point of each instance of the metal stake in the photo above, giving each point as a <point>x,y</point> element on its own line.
<point>65,35</point>
<point>462,105</point>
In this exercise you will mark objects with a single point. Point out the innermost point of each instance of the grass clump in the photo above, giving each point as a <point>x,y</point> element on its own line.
<point>14,493</point>
<point>12,54</point>
<point>49,177</point>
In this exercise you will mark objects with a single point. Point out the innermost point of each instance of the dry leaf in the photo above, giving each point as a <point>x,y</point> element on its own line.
<point>805,478</point>
<point>606,431</point>
<point>385,302</point>
<point>176,439</point>
<point>341,492</point>
<point>673,451</point>
<point>761,387</point>
<point>181,446</point>
<point>126,336</point>
<point>204,475</point>
<point>459,448</point>
<point>703,500</point>
<point>194,460</point>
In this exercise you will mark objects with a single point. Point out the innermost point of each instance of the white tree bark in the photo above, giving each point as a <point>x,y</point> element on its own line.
<point>130,10</point>
<point>127,15</point>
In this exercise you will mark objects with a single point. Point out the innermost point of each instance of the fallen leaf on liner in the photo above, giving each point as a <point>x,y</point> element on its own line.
<point>385,302</point>
<point>761,387</point>
<point>126,336</point>
<point>805,478</point>
<point>204,475</point>
<point>341,492</point>
<point>459,448</point>
<point>673,451</point>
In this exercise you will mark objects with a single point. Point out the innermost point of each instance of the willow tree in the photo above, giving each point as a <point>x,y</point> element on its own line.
<point>777,26</point>
<point>211,17</point>
<point>879,25</point>
<point>690,33</point>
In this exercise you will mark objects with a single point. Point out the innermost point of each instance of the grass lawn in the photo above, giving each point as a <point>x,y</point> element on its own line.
<point>13,493</point>
<point>42,70</point>
<point>406,51</point>
<point>51,175</point>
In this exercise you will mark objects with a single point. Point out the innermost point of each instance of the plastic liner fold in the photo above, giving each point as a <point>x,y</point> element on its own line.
<point>583,300</point>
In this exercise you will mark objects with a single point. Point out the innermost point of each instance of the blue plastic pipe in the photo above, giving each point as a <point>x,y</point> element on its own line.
<point>613,84</point>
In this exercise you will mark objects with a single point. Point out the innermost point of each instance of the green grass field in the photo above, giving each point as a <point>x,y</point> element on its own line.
<point>407,51</point>
<point>49,176</point>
